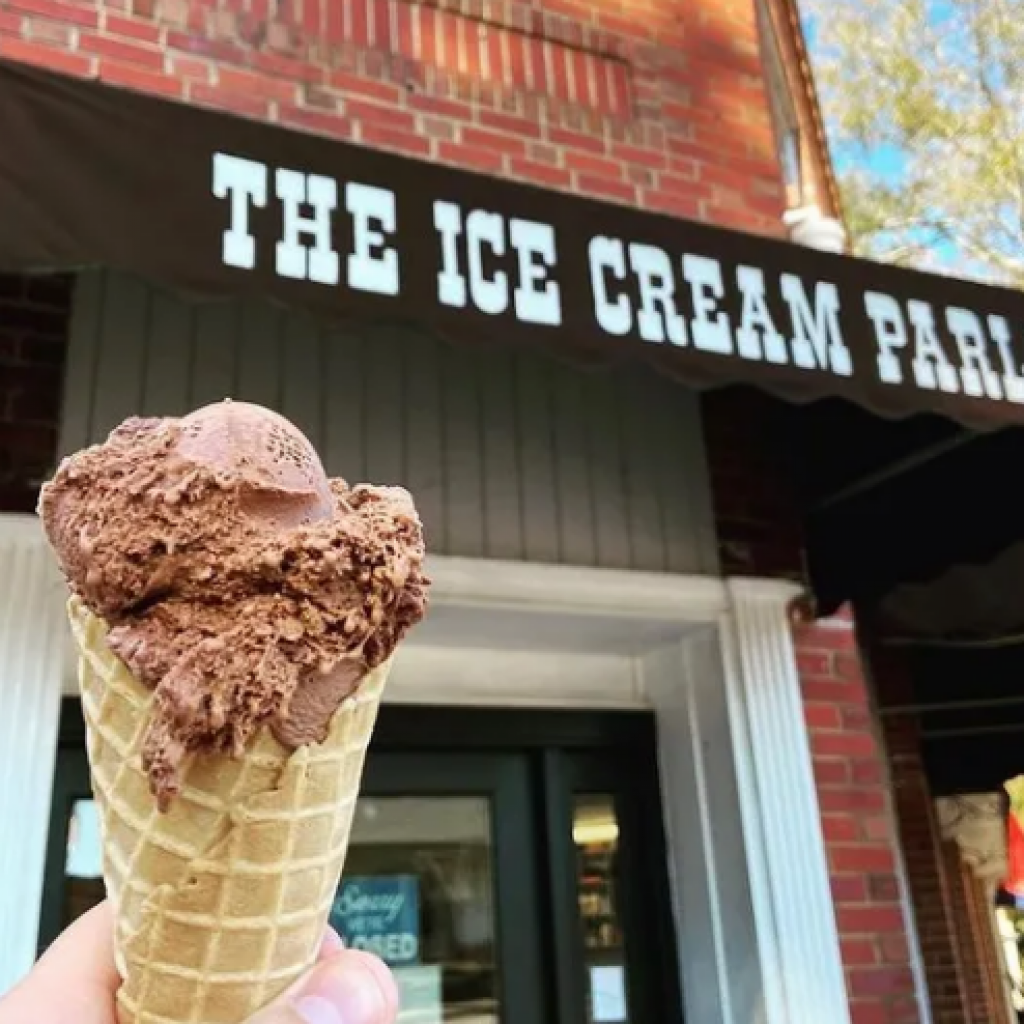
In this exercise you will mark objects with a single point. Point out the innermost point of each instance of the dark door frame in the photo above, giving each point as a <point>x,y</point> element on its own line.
<point>568,752</point>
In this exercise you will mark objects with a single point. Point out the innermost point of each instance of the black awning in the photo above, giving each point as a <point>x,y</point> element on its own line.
<point>214,205</point>
<point>887,503</point>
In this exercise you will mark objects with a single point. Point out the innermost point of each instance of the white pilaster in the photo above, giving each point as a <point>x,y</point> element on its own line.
<point>796,928</point>
<point>31,651</point>
<point>719,961</point>
<point>757,932</point>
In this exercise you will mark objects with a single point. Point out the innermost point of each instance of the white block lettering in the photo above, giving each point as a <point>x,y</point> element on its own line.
<point>1013,382</point>
<point>538,299</point>
<point>451,285</point>
<point>757,337</point>
<point>704,276</point>
<point>976,371</point>
<point>486,230</point>
<point>890,334</point>
<point>658,318</point>
<point>607,259</point>
<point>318,262</point>
<point>817,339</point>
<point>244,183</point>
<point>372,264</point>
<point>932,369</point>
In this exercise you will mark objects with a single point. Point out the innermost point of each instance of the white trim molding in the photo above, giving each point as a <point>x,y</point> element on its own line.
<point>713,659</point>
<point>651,596</point>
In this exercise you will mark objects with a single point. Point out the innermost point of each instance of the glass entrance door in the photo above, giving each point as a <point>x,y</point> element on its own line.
<point>510,868</point>
<point>616,940</point>
<point>444,835</point>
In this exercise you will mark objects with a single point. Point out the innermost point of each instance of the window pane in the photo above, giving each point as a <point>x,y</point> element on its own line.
<point>83,862</point>
<point>789,156</point>
<point>596,836</point>
<point>418,891</point>
<point>784,116</point>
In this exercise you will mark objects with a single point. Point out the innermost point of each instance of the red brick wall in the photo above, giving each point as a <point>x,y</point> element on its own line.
<point>33,337</point>
<point>981,991</point>
<point>755,512</point>
<point>927,874</point>
<point>656,103</point>
<point>972,973</point>
<point>987,995</point>
<point>975,940</point>
<point>858,822</point>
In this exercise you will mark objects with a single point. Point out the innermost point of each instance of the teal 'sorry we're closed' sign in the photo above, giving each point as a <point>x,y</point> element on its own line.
<point>380,914</point>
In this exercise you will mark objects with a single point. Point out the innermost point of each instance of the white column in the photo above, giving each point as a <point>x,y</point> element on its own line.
<point>800,955</point>
<point>32,639</point>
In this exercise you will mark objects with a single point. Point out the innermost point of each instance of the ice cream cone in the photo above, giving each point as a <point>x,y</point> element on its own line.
<point>221,901</point>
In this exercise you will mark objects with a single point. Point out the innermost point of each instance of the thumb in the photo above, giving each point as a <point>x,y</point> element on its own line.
<point>75,980</point>
<point>350,987</point>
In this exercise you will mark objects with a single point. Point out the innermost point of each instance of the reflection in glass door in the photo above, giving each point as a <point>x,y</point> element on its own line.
<point>419,892</point>
<point>595,833</point>
<point>439,841</point>
<point>83,865</point>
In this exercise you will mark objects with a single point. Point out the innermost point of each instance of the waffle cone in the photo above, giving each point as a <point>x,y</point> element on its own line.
<point>221,902</point>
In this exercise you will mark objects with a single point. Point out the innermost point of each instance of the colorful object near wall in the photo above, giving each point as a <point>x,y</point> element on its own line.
<point>1014,883</point>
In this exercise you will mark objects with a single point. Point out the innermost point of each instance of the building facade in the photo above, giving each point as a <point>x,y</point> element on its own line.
<point>618,555</point>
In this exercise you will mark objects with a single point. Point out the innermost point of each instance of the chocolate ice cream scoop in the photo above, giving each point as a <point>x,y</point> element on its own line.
<point>238,582</point>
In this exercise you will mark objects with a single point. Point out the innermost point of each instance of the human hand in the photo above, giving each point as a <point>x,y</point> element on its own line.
<point>76,982</point>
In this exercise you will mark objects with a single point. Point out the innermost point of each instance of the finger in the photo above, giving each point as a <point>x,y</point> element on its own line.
<point>351,988</point>
<point>85,952</point>
<point>331,945</point>
<point>75,980</point>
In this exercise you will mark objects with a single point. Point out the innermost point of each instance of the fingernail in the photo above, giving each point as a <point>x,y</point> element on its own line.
<point>315,1010</point>
<point>332,943</point>
<point>340,993</point>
